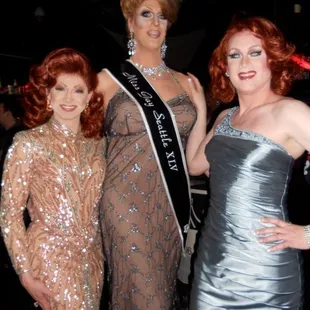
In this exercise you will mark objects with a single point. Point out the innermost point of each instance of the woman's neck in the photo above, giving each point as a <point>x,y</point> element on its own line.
<point>73,124</point>
<point>147,59</point>
<point>254,100</point>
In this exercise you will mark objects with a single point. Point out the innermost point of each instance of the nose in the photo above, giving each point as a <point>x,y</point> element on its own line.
<point>68,96</point>
<point>156,20</point>
<point>244,61</point>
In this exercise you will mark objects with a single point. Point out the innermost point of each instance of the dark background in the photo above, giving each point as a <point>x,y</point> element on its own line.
<point>91,26</point>
<point>83,25</point>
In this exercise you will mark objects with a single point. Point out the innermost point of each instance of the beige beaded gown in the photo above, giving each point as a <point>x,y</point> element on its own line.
<point>58,175</point>
<point>141,239</point>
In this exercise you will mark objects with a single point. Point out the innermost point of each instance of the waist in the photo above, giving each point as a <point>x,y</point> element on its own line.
<point>85,237</point>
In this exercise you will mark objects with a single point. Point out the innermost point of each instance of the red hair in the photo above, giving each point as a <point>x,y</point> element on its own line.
<point>278,51</point>
<point>43,77</point>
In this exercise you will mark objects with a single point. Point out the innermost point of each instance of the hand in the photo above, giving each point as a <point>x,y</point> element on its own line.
<point>292,236</point>
<point>196,94</point>
<point>37,289</point>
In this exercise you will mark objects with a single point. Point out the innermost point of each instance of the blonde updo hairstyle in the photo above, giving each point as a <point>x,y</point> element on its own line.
<point>169,8</point>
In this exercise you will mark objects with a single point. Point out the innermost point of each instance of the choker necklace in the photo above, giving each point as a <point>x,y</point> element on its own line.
<point>153,71</point>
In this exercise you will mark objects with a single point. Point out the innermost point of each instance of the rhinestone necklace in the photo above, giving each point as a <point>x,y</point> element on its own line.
<point>154,72</point>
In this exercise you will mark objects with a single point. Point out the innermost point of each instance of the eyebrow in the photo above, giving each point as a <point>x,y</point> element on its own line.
<point>253,46</point>
<point>146,6</point>
<point>78,85</point>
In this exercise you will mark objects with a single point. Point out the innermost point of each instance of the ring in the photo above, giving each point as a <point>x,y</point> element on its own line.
<point>36,304</point>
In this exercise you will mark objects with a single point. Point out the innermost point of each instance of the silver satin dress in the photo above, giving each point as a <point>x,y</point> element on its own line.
<point>248,180</point>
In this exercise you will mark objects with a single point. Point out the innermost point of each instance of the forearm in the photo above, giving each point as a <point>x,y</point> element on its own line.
<point>196,137</point>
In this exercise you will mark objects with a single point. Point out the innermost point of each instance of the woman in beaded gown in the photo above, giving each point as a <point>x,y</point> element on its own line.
<point>141,238</point>
<point>56,170</point>
<point>249,154</point>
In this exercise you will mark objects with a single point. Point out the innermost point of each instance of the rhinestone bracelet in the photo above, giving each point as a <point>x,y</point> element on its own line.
<point>307,234</point>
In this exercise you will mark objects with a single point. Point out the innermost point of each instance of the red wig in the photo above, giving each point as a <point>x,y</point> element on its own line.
<point>278,51</point>
<point>43,77</point>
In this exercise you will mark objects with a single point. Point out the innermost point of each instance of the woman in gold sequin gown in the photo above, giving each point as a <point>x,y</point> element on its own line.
<point>141,238</point>
<point>56,170</point>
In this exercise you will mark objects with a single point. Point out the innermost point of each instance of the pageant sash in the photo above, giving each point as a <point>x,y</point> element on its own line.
<point>164,137</point>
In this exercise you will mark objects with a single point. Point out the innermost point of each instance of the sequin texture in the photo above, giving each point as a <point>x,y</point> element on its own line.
<point>58,175</point>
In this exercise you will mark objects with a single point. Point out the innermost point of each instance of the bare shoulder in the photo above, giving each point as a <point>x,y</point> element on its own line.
<point>105,81</point>
<point>107,86</point>
<point>288,107</point>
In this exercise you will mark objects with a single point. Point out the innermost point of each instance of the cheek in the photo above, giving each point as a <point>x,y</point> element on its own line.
<point>232,66</point>
<point>82,100</point>
<point>56,96</point>
<point>141,22</point>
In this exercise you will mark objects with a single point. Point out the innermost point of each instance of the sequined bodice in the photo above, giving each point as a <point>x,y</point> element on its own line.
<point>60,174</point>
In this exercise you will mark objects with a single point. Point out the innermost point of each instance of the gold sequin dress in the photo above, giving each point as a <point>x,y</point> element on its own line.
<point>58,175</point>
<point>140,234</point>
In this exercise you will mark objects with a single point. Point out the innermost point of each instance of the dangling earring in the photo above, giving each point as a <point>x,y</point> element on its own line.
<point>86,110</point>
<point>131,45</point>
<point>49,107</point>
<point>163,49</point>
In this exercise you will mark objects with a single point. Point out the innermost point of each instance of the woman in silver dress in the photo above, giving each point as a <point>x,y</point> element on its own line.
<point>249,154</point>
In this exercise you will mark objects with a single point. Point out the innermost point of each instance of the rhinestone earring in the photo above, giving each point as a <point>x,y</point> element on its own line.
<point>87,110</point>
<point>163,49</point>
<point>49,107</point>
<point>131,45</point>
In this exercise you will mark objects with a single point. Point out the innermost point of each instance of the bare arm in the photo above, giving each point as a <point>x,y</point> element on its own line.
<point>195,150</point>
<point>294,116</point>
<point>106,86</point>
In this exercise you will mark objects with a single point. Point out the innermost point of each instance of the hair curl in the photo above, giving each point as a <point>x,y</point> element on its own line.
<point>43,77</point>
<point>170,8</point>
<point>278,51</point>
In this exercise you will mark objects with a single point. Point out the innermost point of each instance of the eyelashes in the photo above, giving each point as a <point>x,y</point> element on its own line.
<point>256,53</point>
<point>78,91</point>
<point>238,55</point>
<point>233,55</point>
<point>149,14</point>
<point>58,88</point>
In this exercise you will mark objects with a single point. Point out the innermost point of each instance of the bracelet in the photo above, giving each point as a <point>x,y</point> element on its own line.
<point>307,234</point>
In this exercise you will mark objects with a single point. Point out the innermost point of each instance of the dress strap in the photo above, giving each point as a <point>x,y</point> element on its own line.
<point>177,81</point>
<point>224,124</point>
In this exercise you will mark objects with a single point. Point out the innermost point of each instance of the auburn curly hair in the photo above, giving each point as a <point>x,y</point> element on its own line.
<point>44,76</point>
<point>278,51</point>
<point>170,8</point>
